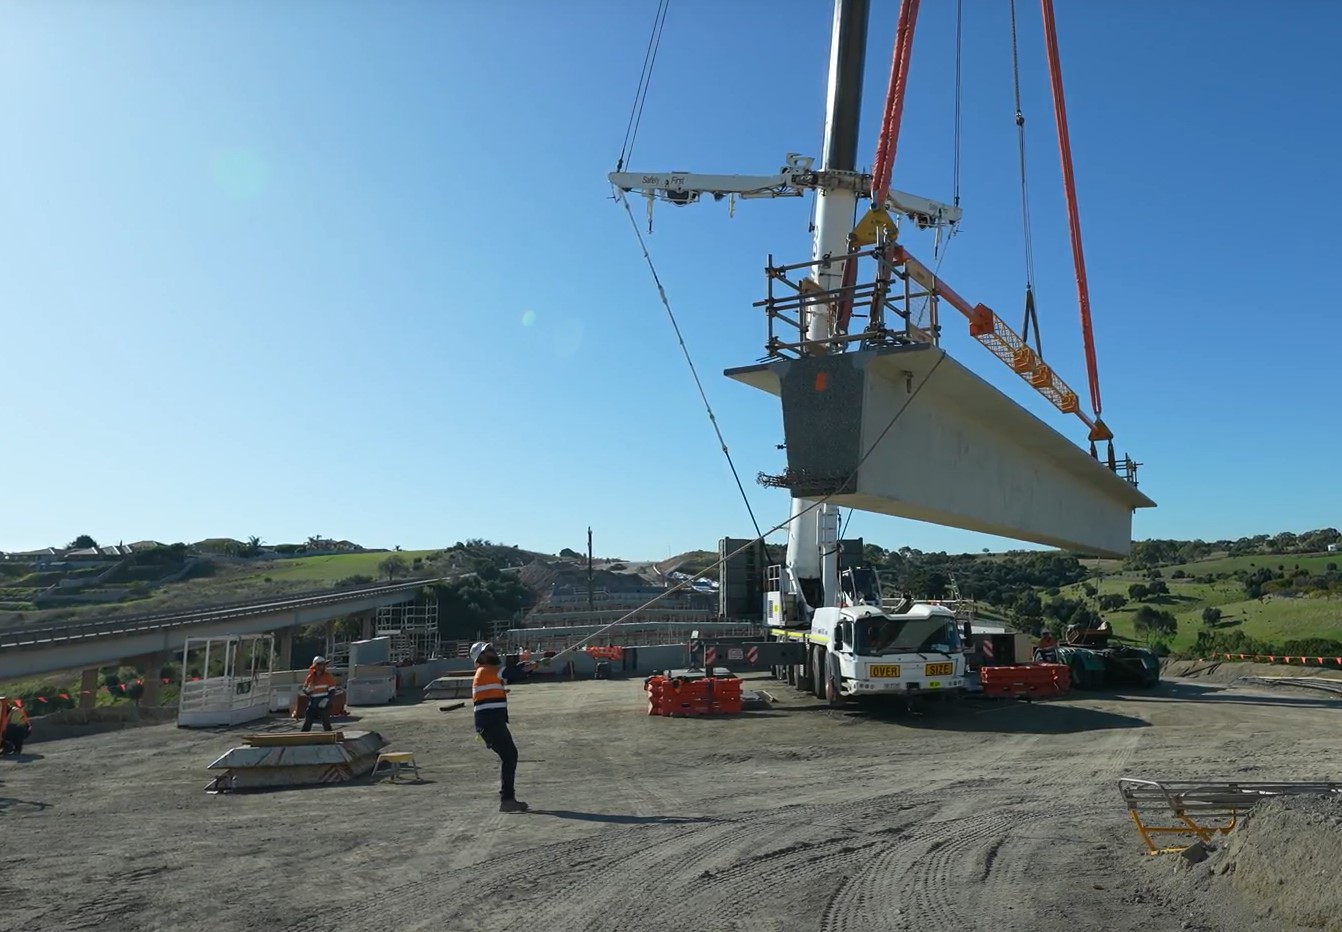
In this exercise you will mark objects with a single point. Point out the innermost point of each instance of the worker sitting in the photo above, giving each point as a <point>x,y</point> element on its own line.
<point>319,687</point>
<point>1046,651</point>
<point>17,728</point>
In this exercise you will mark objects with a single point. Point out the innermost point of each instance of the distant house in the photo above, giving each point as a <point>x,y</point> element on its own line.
<point>84,555</point>
<point>1334,548</point>
<point>45,555</point>
<point>327,545</point>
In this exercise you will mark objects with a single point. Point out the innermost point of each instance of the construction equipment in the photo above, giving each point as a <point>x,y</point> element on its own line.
<point>1096,662</point>
<point>868,645</point>
<point>839,383</point>
<point>1201,810</point>
<point>792,180</point>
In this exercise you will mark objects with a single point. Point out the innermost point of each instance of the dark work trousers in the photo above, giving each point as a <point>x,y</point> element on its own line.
<point>14,737</point>
<point>314,713</point>
<point>494,729</point>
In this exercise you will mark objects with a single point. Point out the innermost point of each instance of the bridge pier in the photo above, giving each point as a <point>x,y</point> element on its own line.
<point>88,688</point>
<point>152,666</point>
<point>284,649</point>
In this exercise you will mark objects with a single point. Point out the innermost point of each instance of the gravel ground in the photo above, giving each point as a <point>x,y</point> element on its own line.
<point>800,818</point>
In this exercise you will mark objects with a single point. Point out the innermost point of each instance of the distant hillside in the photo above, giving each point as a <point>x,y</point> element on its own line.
<point>1265,603</point>
<point>50,588</point>
<point>1262,594</point>
<point>1268,589</point>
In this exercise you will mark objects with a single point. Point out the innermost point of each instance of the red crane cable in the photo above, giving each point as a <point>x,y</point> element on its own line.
<point>1073,217</point>
<point>886,145</point>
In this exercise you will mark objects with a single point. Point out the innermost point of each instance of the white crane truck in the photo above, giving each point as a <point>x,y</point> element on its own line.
<point>866,646</point>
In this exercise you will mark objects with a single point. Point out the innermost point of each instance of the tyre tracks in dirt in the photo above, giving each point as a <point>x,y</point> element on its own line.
<point>881,843</point>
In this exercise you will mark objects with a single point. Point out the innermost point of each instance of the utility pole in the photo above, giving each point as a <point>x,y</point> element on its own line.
<point>591,594</point>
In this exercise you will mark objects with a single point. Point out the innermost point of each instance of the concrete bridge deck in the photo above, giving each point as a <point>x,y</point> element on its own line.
<point>33,650</point>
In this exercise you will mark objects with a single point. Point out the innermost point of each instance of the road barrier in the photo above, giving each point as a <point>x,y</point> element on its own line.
<point>1026,681</point>
<point>678,697</point>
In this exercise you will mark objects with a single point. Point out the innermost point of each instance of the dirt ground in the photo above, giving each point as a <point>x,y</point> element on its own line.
<point>800,818</point>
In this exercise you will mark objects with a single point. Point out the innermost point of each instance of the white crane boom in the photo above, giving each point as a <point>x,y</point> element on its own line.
<point>792,180</point>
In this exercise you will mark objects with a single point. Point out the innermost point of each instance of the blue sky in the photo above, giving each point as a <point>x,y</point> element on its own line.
<point>353,268</point>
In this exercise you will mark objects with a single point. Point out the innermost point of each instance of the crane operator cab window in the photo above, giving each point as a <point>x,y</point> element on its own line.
<point>883,634</point>
<point>862,585</point>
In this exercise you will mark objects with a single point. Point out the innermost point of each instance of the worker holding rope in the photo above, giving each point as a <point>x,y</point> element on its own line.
<point>491,719</point>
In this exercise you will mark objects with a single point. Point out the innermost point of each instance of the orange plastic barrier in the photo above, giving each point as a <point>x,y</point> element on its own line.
<point>681,697</point>
<point>606,653</point>
<point>1032,680</point>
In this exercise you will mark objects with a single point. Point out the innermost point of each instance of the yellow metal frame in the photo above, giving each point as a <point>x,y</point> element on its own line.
<point>1187,826</point>
<point>1203,810</point>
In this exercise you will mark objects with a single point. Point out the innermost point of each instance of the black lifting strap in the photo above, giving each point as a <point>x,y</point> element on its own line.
<point>1031,318</point>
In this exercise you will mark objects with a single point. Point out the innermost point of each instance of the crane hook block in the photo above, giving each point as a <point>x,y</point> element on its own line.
<point>868,229</point>
<point>1100,432</point>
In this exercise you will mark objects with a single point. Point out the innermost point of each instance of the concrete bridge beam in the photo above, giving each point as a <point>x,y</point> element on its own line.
<point>910,432</point>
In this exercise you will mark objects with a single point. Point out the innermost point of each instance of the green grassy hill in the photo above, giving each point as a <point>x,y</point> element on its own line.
<point>1193,587</point>
<point>328,570</point>
<point>221,579</point>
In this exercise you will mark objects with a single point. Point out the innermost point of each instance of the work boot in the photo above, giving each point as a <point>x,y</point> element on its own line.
<point>512,805</point>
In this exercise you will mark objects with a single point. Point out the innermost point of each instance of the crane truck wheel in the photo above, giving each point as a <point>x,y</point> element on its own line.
<point>818,676</point>
<point>832,694</point>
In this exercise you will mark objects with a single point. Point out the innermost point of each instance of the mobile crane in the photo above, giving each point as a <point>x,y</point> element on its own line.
<point>844,638</point>
<point>868,646</point>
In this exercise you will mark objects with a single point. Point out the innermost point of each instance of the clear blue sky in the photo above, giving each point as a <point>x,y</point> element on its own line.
<point>353,269</point>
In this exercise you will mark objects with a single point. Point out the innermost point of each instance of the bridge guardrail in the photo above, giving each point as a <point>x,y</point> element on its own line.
<point>28,636</point>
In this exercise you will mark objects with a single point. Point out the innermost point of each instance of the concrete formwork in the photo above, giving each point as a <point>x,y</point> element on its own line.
<point>349,755</point>
<point>960,454</point>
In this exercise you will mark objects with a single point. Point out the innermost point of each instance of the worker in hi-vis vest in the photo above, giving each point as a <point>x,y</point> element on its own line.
<point>1047,648</point>
<point>319,687</point>
<point>16,727</point>
<point>491,719</point>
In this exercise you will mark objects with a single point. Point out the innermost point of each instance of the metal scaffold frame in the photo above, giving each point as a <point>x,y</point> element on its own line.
<point>413,629</point>
<point>891,293</point>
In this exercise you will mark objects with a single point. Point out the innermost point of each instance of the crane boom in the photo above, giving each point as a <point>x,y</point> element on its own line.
<point>792,180</point>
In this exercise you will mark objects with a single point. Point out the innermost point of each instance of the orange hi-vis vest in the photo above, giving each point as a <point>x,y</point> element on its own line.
<point>318,684</point>
<point>487,689</point>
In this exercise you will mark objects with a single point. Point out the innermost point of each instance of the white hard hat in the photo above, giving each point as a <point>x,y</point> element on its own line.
<point>478,648</point>
<point>318,659</point>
